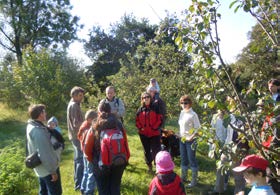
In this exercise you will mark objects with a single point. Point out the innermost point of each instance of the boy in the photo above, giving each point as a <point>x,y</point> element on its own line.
<point>88,181</point>
<point>254,168</point>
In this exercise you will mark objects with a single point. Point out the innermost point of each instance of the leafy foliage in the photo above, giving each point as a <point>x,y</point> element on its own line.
<point>44,79</point>
<point>37,23</point>
<point>107,49</point>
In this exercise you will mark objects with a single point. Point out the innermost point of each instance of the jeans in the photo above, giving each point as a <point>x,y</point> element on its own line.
<point>48,187</point>
<point>88,181</point>
<point>187,153</point>
<point>78,164</point>
<point>109,182</point>
<point>151,147</point>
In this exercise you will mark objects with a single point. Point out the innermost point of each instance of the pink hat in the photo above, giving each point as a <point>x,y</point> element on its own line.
<point>164,162</point>
<point>254,161</point>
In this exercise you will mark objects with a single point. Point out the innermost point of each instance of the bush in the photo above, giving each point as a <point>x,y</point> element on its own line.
<point>14,177</point>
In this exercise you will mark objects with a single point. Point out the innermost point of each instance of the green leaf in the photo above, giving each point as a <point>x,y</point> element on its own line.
<point>211,104</point>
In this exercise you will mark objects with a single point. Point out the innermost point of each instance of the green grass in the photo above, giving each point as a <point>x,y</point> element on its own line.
<point>135,179</point>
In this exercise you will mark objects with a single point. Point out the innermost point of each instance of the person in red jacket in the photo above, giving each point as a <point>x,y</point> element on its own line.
<point>148,122</point>
<point>166,181</point>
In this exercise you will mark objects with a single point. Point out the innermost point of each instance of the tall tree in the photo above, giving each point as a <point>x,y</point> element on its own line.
<point>107,49</point>
<point>38,23</point>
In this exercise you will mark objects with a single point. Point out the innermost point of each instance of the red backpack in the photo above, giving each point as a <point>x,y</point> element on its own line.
<point>114,149</point>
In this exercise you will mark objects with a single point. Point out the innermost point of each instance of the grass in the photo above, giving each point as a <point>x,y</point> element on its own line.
<point>135,179</point>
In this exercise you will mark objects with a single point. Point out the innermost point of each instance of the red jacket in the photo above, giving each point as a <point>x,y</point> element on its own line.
<point>175,187</point>
<point>82,133</point>
<point>89,145</point>
<point>149,120</point>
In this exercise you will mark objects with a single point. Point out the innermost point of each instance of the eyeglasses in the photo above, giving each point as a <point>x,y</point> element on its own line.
<point>185,103</point>
<point>146,97</point>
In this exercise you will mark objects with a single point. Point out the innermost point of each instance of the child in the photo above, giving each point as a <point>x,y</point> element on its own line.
<point>88,181</point>
<point>254,168</point>
<point>166,181</point>
<point>53,124</point>
<point>154,83</point>
<point>56,138</point>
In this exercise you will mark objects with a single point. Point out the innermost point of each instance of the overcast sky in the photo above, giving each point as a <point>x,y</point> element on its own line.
<point>233,27</point>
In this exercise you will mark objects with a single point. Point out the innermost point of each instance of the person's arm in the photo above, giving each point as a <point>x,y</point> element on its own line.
<point>89,145</point>
<point>121,108</point>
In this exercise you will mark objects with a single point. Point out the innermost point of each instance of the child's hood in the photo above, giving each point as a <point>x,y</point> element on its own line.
<point>53,119</point>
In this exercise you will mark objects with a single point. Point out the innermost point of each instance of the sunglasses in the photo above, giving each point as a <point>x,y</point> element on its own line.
<point>146,97</point>
<point>185,103</point>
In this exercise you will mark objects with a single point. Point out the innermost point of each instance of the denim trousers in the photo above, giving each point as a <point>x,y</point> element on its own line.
<point>109,182</point>
<point>78,163</point>
<point>48,187</point>
<point>88,181</point>
<point>151,147</point>
<point>188,155</point>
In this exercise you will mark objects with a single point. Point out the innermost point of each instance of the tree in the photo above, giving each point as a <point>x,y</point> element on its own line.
<point>198,35</point>
<point>37,23</point>
<point>44,78</point>
<point>107,49</point>
<point>259,53</point>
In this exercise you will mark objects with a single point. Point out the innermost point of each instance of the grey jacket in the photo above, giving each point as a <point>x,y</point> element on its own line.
<point>38,139</point>
<point>117,106</point>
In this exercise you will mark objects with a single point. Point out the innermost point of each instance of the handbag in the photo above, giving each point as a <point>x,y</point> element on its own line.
<point>33,160</point>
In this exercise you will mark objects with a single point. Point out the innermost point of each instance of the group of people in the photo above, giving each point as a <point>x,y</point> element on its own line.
<point>86,134</point>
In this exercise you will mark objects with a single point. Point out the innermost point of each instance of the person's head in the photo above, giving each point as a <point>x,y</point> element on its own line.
<point>274,86</point>
<point>152,91</point>
<point>185,102</point>
<point>105,120</point>
<point>77,93</point>
<point>253,168</point>
<point>146,99</point>
<point>164,162</point>
<point>37,112</point>
<point>90,115</point>
<point>110,93</point>
<point>104,107</point>
<point>52,123</point>
<point>153,81</point>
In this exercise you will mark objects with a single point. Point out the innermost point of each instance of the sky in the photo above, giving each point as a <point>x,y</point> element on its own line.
<point>233,27</point>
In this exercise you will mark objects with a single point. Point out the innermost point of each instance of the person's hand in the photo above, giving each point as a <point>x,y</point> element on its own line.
<point>54,177</point>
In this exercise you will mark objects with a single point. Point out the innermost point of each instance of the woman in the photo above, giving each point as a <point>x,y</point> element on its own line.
<point>108,178</point>
<point>189,123</point>
<point>148,121</point>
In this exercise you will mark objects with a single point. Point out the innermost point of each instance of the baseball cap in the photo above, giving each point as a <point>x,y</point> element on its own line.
<point>164,162</point>
<point>252,160</point>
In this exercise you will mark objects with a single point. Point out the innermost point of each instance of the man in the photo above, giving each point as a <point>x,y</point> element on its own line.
<point>116,104</point>
<point>38,139</point>
<point>74,120</point>
<point>274,88</point>
<point>159,103</point>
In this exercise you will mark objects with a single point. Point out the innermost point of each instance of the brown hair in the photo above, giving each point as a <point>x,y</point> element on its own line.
<point>35,110</point>
<point>143,95</point>
<point>274,82</point>
<point>255,171</point>
<point>76,90</point>
<point>186,99</point>
<point>90,114</point>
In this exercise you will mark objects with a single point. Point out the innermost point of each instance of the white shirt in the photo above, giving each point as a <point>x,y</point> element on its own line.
<point>188,120</point>
<point>217,124</point>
